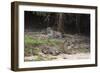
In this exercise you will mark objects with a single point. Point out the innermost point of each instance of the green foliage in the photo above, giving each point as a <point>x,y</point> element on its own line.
<point>36,42</point>
<point>32,44</point>
<point>33,41</point>
<point>36,51</point>
<point>27,52</point>
<point>84,50</point>
<point>38,58</point>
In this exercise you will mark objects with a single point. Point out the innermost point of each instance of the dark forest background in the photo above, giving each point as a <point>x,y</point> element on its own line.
<point>64,22</point>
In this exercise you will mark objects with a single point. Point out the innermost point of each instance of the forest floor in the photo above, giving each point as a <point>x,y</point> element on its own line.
<point>39,48</point>
<point>63,57</point>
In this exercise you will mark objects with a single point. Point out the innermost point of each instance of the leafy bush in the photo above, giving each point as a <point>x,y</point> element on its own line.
<point>35,42</point>
<point>32,44</point>
<point>28,52</point>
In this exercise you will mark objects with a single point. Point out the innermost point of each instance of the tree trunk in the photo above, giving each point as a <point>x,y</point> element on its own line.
<point>78,23</point>
<point>60,22</point>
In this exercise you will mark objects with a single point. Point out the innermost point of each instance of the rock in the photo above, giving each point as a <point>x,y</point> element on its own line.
<point>54,51</point>
<point>50,50</point>
<point>57,34</point>
<point>44,49</point>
